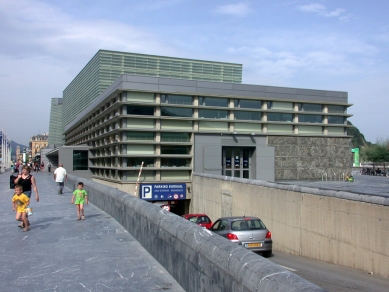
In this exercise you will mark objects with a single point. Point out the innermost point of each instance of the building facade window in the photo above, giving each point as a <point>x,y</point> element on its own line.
<point>247,103</point>
<point>176,112</point>
<point>279,105</point>
<point>176,99</point>
<point>213,114</point>
<point>173,149</point>
<point>310,119</point>
<point>213,101</point>
<point>175,137</point>
<point>140,136</point>
<point>279,117</point>
<point>336,109</point>
<point>175,162</point>
<point>137,161</point>
<point>335,120</point>
<point>80,159</point>
<point>246,115</point>
<point>140,110</point>
<point>310,107</point>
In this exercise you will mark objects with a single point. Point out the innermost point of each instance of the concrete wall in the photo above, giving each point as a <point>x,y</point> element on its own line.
<point>336,227</point>
<point>208,154</point>
<point>65,156</point>
<point>198,259</point>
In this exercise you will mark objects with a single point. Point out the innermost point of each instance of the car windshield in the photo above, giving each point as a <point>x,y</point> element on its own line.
<point>247,224</point>
<point>193,219</point>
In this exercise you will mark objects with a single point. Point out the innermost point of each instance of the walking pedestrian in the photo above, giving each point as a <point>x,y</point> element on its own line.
<point>80,197</point>
<point>60,176</point>
<point>28,182</point>
<point>19,203</point>
<point>49,166</point>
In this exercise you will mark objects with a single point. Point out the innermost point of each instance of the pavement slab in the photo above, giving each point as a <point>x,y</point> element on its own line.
<point>60,253</point>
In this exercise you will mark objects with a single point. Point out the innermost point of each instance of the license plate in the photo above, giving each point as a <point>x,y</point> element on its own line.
<point>256,244</point>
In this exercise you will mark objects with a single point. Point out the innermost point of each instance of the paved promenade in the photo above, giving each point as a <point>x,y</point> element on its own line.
<point>363,184</point>
<point>60,253</point>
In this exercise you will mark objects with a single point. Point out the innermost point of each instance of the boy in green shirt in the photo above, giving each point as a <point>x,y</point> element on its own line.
<point>80,197</point>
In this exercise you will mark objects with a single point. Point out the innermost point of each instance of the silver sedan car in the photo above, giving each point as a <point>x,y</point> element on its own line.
<point>247,231</point>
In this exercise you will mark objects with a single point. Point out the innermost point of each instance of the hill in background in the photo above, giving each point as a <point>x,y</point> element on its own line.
<point>358,138</point>
<point>13,148</point>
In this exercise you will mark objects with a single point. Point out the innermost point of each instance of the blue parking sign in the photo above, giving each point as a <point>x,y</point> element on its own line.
<point>163,192</point>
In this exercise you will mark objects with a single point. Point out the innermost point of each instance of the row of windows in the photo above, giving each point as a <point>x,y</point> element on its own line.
<point>238,115</point>
<point>208,113</point>
<point>146,175</point>
<point>137,162</point>
<point>165,137</point>
<point>247,103</point>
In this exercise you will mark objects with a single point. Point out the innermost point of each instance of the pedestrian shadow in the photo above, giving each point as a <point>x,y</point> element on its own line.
<point>46,219</point>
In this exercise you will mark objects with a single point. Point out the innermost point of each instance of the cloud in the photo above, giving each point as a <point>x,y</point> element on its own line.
<point>237,9</point>
<point>34,29</point>
<point>321,10</point>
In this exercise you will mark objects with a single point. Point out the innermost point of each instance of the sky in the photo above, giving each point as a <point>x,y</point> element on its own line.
<point>337,45</point>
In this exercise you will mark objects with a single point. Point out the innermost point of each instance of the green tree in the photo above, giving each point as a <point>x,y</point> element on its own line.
<point>377,153</point>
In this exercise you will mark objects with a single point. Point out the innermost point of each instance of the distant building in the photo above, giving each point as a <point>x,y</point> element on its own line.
<point>55,128</point>
<point>37,143</point>
<point>19,154</point>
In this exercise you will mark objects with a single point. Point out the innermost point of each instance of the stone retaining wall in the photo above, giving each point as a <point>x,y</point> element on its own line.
<point>198,259</point>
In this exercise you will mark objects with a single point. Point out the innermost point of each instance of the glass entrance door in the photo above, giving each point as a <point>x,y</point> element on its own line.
<point>236,162</point>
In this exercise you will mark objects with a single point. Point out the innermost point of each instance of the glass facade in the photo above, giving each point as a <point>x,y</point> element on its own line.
<point>80,160</point>
<point>175,137</point>
<point>247,103</point>
<point>212,101</point>
<point>335,120</point>
<point>338,109</point>
<point>55,127</point>
<point>244,115</point>
<point>176,99</point>
<point>279,117</point>
<point>142,136</point>
<point>213,114</point>
<point>106,66</point>
<point>310,107</point>
<point>176,112</point>
<point>310,119</point>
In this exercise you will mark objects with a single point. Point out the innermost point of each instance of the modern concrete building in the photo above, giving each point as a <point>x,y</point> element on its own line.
<point>169,124</point>
<point>55,127</point>
<point>178,126</point>
<point>106,66</point>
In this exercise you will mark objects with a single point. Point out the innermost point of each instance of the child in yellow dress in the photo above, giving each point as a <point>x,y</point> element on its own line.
<point>80,197</point>
<point>19,203</point>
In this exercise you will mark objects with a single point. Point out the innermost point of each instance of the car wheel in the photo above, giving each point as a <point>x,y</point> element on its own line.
<point>267,254</point>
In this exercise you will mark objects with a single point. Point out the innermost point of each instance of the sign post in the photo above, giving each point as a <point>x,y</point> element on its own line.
<point>137,181</point>
<point>163,192</point>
